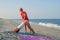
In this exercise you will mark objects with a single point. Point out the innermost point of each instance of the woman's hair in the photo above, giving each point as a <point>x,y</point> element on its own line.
<point>21,9</point>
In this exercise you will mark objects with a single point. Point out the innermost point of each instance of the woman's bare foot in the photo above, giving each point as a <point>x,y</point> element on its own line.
<point>32,32</point>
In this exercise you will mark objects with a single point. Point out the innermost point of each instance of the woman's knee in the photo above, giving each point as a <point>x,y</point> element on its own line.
<point>26,22</point>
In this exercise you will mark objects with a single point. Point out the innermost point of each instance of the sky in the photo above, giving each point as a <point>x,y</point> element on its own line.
<point>36,9</point>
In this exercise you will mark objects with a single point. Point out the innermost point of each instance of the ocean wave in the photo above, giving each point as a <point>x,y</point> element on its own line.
<point>56,26</point>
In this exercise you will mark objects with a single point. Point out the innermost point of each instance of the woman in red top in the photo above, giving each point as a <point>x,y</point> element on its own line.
<point>25,22</point>
<point>24,17</point>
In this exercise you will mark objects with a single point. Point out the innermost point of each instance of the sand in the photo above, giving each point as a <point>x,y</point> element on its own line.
<point>7,24</point>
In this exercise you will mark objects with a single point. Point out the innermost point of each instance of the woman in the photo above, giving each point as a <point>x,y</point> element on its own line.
<point>25,22</point>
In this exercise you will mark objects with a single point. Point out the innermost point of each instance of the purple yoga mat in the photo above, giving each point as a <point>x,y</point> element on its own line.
<point>24,37</point>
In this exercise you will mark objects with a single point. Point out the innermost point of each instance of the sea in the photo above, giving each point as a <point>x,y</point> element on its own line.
<point>52,23</point>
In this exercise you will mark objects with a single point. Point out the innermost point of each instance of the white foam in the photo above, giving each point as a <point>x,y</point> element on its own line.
<point>50,25</point>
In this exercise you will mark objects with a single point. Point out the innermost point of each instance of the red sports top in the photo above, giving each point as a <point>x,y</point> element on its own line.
<point>24,15</point>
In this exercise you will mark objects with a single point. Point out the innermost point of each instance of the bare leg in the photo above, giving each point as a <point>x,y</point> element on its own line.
<point>16,30</point>
<point>25,28</point>
<point>31,30</point>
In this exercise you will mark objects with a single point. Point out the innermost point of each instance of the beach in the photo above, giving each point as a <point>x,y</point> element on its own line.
<point>7,24</point>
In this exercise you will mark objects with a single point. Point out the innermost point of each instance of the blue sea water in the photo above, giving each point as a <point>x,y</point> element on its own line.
<point>54,23</point>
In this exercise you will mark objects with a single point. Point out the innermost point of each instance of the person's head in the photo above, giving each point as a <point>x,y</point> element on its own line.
<point>21,9</point>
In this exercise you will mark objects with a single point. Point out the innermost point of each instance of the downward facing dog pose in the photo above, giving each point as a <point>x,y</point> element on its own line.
<point>25,22</point>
